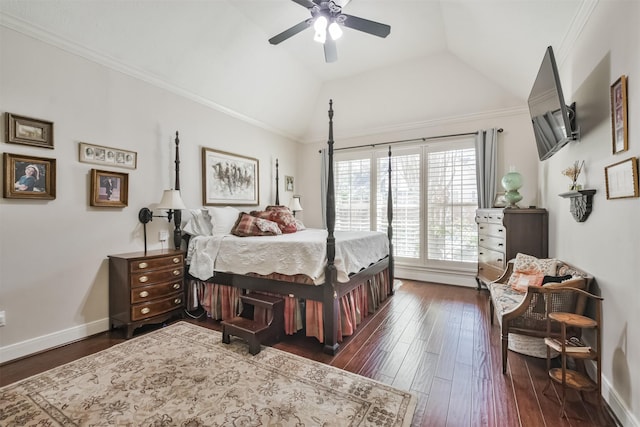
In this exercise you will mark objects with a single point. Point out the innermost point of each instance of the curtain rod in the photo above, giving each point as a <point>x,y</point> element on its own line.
<point>424,138</point>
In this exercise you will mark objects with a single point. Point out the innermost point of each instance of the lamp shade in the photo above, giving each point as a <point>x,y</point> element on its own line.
<point>294,204</point>
<point>171,200</point>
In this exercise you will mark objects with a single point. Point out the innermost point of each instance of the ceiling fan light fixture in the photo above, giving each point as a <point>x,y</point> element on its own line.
<point>335,31</point>
<point>321,29</point>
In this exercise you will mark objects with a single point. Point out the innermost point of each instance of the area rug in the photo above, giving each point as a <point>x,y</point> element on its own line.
<point>183,375</point>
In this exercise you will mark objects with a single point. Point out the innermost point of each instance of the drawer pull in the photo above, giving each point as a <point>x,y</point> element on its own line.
<point>499,259</point>
<point>143,265</point>
<point>500,244</point>
<point>176,260</point>
<point>481,228</point>
<point>143,279</point>
<point>145,310</point>
<point>177,301</point>
<point>481,253</point>
<point>144,294</point>
<point>482,240</point>
<point>176,286</point>
<point>176,272</point>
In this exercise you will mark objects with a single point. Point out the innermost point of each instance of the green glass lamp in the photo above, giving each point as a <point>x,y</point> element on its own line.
<point>512,182</point>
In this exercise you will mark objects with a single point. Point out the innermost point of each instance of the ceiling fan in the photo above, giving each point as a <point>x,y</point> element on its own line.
<point>327,16</point>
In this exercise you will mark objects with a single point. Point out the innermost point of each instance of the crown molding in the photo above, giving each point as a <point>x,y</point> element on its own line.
<point>426,124</point>
<point>39,33</point>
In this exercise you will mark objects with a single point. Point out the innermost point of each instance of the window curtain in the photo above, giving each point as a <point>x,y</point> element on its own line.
<point>486,166</point>
<point>324,176</point>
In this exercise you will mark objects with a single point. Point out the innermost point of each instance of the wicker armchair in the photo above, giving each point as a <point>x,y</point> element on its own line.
<point>522,315</point>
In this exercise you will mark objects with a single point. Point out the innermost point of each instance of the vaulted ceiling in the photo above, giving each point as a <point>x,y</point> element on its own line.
<point>216,51</point>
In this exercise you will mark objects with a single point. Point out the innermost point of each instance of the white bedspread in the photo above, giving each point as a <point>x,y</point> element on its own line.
<point>303,252</point>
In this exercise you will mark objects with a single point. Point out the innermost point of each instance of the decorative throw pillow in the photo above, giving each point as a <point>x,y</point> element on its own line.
<point>281,215</point>
<point>555,279</point>
<point>248,225</point>
<point>530,266</point>
<point>223,219</point>
<point>199,224</point>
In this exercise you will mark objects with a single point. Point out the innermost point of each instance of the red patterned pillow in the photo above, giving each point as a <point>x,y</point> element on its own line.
<point>280,215</point>
<point>248,225</point>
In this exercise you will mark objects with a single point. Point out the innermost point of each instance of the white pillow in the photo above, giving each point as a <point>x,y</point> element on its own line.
<point>223,219</point>
<point>199,224</point>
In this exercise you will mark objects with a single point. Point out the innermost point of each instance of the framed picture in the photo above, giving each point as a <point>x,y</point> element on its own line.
<point>97,154</point>
<point>499,201</point>
<point>288,183</point>
<point>619,115</point>
<point>622,179</point>
<point>109,189</point>
<point>229,179</point>
<point>27,177</point>
<point>29,131</point>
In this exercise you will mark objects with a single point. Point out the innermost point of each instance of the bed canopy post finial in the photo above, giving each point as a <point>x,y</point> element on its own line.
<point>177,214</point>
<point>390,226</point>
<point>277,186</point>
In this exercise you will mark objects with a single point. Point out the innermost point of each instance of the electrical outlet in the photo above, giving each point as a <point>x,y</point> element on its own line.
<point>163,235</point>
<point>3,318</point>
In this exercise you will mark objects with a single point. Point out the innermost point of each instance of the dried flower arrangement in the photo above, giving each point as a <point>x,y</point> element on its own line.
<point>573,172</point>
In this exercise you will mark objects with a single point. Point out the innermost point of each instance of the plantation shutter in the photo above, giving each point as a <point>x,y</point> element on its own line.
<point>451,205</point>
<point>352,180</point>
<point>405,190</point>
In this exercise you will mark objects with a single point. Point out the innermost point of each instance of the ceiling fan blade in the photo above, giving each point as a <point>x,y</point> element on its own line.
<point>330,51</point>
<point>305,3</point>
<point>371,27</point>
<point>290,32</point>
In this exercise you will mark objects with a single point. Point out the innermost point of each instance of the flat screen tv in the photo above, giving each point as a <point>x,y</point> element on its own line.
<point>554,123</point>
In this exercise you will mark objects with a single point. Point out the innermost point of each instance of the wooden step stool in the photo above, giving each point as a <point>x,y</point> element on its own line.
<point>257,331</point>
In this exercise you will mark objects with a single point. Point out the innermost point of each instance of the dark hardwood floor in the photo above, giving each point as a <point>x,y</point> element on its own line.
<point>434,340</point>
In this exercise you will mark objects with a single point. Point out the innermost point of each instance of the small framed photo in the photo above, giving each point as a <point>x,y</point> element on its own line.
<point>622,179</point>
<point>229,179</point>
<point>288,183</point>
<point>100,155</point>
<point>619,115</point>
<point>29,131</point>
<point>499,201</point>
<point>27,177</point>
<point>109,189</point>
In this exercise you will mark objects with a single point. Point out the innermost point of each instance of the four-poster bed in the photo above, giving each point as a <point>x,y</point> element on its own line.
<point>341,286</point>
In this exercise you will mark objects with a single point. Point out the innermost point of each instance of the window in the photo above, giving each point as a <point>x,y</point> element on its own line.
<point>434,197</point>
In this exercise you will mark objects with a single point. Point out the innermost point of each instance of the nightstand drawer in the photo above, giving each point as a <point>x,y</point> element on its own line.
<point>144,311</point>
<point>148,293</point>
<point>155,263</point>
<point>151,277</point>
<point>493,243</point>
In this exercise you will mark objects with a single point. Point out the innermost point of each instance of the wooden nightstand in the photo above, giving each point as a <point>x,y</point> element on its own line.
<point>145,288</point>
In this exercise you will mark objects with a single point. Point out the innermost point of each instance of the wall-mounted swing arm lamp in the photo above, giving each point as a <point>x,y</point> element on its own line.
<point>171,201</point>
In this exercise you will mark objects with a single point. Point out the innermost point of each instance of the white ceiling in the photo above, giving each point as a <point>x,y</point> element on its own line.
<point>216,51</point>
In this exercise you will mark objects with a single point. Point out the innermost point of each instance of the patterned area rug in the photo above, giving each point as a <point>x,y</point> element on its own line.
<point>183,375</point>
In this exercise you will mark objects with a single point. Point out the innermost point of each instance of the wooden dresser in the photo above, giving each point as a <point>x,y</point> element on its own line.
<point>145,288</point>
<point>502,233</point>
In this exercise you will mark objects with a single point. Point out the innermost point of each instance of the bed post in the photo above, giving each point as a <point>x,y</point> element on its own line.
<point>390,227</point>
<point>330,303</point>
<point>277,186</point>
<point>177,214</point>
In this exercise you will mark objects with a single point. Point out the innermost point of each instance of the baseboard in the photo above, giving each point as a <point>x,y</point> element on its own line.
<point>620,410</point>
<point>458,278</point>
<point>55,339</point>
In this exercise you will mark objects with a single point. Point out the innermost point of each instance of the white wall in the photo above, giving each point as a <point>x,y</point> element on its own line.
<point>607,244</point>
<point>53,254</point>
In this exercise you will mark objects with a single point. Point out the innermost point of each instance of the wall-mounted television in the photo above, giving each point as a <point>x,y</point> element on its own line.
<point>554,123</point>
